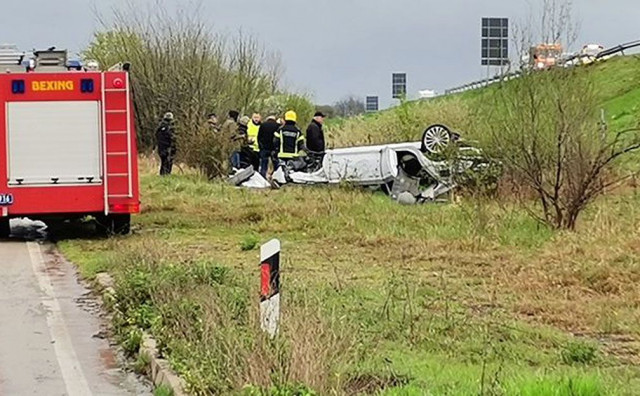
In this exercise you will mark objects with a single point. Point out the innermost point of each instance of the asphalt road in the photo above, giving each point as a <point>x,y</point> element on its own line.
<point>52,338</point>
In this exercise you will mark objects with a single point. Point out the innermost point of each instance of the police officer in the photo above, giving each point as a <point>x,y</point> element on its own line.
<point>289,142</point>
<point>166,142</point>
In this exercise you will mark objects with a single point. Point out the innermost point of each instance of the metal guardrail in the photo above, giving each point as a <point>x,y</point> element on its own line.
<point>617,49</point>
<point>483,83</point>
<point>510,76</point>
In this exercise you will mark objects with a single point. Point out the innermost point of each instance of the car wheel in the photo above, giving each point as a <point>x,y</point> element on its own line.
<point>435,139</point>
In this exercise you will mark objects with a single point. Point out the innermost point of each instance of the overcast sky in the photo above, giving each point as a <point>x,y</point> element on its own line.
<point>332,48</point>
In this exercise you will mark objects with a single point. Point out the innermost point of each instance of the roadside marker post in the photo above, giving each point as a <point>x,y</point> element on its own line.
<point>270,287</point>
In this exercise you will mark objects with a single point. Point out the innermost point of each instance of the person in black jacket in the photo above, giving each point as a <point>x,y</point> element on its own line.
<point>166,142</point>
<point>288,143</point>
<point>265,144</point>
<point>315,138</point>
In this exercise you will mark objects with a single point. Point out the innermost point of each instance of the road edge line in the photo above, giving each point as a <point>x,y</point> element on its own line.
<point>74,379</point>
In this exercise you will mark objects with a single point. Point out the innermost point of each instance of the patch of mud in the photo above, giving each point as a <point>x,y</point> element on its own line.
<point>623,347</point>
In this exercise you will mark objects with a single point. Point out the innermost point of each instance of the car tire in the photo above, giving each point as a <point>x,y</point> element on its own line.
<point>435,139</point>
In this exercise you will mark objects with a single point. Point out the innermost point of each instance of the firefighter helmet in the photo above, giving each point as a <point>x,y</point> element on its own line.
<point>291,116</point>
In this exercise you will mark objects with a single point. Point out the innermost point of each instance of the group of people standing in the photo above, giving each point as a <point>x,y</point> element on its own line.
<point>255,142</point>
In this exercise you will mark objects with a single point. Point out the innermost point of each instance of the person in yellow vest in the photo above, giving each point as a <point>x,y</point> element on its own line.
<point>252,134</point>
<point>289,143</point>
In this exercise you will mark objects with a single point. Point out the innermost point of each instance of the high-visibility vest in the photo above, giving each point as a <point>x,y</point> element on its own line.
<point>252,134</point>
<point>289,143</point>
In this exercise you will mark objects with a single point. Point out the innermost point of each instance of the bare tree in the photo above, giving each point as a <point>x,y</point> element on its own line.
<point>557,22</point>
<point>545,129</point>
<point>552,23</point>
<point>349,107</point>
<point>180,65</point>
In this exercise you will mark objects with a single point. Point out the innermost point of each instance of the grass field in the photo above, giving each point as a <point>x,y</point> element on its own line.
<point>461,299</point>
<point>469,298</point>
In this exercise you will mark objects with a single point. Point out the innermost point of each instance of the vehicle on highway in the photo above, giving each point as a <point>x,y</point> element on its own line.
<point>591,50</point>
<point>412,172</point>
<point>589,53</point>
<point>545,56</point>
<point>68,139</point>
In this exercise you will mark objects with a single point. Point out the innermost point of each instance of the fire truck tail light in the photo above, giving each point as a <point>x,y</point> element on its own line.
<point>125,208</point>
<point>86,86</point>
<point>118,83</point>
<point>17,86</point>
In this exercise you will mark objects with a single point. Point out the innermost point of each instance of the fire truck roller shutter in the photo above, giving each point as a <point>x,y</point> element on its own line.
<point>55,142</point>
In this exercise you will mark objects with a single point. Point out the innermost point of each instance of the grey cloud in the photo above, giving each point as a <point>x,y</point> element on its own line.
<point>336,47</point>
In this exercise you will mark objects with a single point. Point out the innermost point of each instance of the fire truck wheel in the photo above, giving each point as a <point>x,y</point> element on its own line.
<point>119,224</point>
<point>5,228</point>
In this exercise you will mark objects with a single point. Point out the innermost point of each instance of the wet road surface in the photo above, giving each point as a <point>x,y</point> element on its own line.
<point>52,338</point>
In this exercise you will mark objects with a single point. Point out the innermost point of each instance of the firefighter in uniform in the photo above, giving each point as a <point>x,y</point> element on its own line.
<point>289,143</point>
<point>166,142</point>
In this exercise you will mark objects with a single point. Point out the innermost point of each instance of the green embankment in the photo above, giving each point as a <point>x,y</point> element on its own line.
<point>616,83</point>
<point>462,299</point>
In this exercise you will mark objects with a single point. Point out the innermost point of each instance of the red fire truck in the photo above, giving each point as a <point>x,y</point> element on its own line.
<point>67,142</point>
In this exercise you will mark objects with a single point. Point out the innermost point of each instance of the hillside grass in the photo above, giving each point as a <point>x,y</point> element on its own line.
<point>616,81</point>
<point>469,298</point>
<point>461,299</point>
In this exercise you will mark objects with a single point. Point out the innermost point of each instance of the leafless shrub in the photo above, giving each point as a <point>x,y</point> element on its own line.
<point>180,65</point>
<point>545,129</point>
<point>349,107</point>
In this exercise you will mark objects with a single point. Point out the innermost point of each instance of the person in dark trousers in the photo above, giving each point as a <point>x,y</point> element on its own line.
<point>166,142</point>
<point>288,143</point>
<point>241,157</point>
<point>265,144</point>
<point>315,139</point>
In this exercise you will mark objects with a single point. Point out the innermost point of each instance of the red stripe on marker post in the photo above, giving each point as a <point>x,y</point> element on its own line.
<point>265,281</point>
<point>270,287</point>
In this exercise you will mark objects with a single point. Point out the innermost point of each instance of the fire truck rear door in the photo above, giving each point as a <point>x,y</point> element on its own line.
<point>55,142</point>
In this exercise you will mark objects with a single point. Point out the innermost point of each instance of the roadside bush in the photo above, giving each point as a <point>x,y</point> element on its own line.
<point>180,65</point>
<point>206,320</point>
<point>544,127</point>
<point>249,242</point>
<point>579,352</point>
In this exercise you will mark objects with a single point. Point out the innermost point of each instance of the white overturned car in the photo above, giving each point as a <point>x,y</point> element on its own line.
<point>413,172</point>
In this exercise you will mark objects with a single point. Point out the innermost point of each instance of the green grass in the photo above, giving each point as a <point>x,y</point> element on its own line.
<point>468,298</point>
<point>374,291</point>
<point>616,83</point>
<point>163,390</point>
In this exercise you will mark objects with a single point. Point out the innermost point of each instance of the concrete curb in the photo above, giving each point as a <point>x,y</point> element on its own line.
<point>161,373</point>
<point>160,370</point>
